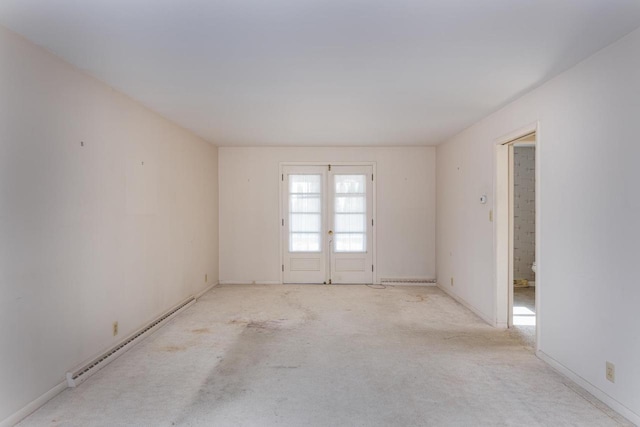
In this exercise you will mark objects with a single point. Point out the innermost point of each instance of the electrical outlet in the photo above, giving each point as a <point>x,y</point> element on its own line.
<point>452,281</point>
<point>611,372</point>
<point>115,328</point>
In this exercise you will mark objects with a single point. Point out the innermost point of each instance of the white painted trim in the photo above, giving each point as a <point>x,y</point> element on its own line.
<point>23,413</point>
<point>501,234</point>
<point>426,285</point>
<point>501,325</point>
<point>595,391</point>
<point>374,232</point>
<point>253,282</point>
<point>512,232</point>
<point>538,251</point>
<point>475,310</point>
<point>280,219</point>
<point>518,133</point>
<point>327,163</point>
<point>399,280</point>
<point>205,290</point>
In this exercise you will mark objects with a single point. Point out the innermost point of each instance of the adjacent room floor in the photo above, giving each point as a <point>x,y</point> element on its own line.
<point>524,315</point>
<point>326,356</point>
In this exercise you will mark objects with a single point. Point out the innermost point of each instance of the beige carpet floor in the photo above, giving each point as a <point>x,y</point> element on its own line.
<point>327,356</point>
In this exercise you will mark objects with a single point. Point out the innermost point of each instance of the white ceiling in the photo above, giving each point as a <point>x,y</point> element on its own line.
<point>323,72</point>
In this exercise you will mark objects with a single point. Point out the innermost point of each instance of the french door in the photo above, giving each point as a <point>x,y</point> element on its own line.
<point>327,224</point>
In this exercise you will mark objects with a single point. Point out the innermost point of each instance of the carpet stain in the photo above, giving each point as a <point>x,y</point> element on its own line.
<point>238,370</point>
<point>266,324</point>
<point>173,348</point>
<point>201,331</point>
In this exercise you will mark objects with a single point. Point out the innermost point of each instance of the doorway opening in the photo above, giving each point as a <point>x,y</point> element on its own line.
<point>523,214</point>
<point>517,253</point>
<point>327,223</point>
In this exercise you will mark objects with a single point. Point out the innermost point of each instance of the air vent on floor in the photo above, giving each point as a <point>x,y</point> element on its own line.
<point>408,281</point>
<point>79,375</point>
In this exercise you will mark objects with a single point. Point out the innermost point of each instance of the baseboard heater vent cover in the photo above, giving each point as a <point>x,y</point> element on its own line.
<point>412,281</point>
<point>80,374</point>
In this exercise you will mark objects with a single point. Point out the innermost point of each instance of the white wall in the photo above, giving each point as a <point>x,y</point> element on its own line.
<point>250,216</point>
<point>588,154</point>
<point>89,235</point>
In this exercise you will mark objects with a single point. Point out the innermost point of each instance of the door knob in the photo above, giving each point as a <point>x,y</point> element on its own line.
<point>330,232</point>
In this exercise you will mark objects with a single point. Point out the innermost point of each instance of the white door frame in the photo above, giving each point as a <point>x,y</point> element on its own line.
<point>503,227</point>
<point>375,216</point>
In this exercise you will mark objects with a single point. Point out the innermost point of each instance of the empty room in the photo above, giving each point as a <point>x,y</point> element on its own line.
<point>319,213</point>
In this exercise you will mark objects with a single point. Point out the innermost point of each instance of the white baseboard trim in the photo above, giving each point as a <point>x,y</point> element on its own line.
<point>477,312</point>
<point>253,282</point>
<point>205,290</point>
<point>407,281</point>
<point>33,406</point>
<point>428,285</point>
<point>595,391</point>
<point>501,325</point>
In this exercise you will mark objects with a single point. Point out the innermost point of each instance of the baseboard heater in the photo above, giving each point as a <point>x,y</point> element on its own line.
<point>80,374</point>
<point>412,281</point>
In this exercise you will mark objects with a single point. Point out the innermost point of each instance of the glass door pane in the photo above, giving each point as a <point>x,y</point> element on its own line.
<point>305,213</point>
<point>350,217</point>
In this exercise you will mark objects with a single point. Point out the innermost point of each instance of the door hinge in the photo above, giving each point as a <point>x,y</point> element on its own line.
<point>371,177</point>
<point>283,222</point>
<point>372,267</point>
<point>329,168</point>
<point>283,177</point>
<point>372,222</point>
<point>282,267</point>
